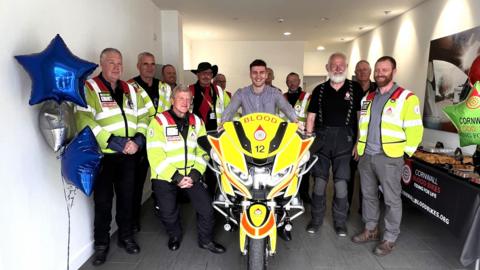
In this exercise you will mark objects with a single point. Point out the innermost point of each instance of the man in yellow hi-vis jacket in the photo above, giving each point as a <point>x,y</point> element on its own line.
<point>176,162</point>
<point>156,96</point>
<point>390,126</point>
<point>118,118</point>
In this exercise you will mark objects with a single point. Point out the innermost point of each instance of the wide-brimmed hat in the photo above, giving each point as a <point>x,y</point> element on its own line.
<point>205,66</point>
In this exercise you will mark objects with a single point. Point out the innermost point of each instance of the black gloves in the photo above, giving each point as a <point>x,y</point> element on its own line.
<point>117,143</point>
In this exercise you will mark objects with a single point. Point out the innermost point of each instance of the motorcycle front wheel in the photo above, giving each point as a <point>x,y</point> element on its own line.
<point>257,254</point>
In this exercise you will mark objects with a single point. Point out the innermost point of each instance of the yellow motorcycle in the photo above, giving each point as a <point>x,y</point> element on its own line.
<point>259,161</point>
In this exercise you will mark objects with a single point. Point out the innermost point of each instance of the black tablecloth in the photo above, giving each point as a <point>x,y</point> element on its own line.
<point>451,200</point>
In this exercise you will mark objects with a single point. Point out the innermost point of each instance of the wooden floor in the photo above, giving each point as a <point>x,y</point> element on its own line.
<point>423,244</point>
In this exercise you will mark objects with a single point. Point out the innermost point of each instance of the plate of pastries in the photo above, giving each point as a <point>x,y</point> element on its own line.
<point>451,159</point>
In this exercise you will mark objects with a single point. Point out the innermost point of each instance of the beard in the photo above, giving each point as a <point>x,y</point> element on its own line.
<point>383,80</point>
<point>337,78</point>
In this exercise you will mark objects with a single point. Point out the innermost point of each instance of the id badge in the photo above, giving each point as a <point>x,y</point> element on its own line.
<point>213,116</point>
<point>172,131</point>
<point>364,109</point>
<point>107,100</point>
<point>106,97</point>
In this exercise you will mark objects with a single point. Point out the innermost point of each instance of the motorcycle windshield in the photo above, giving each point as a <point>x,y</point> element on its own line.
<point>259,156</point>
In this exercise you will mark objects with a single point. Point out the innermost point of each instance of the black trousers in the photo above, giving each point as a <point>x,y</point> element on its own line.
<point>117,174</point>
<point>335,151</point>
<point>170,211</point>
<point>140,176</point>
<point>211,181</point>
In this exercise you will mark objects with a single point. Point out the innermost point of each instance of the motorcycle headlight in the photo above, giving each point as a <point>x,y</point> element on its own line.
<point>279,176</point>
<point>239,175</point>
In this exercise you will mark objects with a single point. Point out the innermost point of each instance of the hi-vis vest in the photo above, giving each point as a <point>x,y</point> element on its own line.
<point>401,127</point>
<point>167,150</point>
<point>300,107</point>
<point>164,94</point>
<point>220,105</point>
<point>106,118</point>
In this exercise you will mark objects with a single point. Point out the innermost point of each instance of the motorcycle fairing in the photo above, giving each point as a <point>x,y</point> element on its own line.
<point>257,139</point>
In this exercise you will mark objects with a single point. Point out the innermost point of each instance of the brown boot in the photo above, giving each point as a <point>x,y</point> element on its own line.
<point>366,236</point>
<point>384,248</point>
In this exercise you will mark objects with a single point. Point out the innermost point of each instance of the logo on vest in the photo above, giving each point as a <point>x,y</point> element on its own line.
<point>298,109</point>
<point>389,111</point>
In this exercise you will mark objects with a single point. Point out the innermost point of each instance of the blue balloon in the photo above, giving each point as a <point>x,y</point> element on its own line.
<point>81,161</point>
<point>56,74</point>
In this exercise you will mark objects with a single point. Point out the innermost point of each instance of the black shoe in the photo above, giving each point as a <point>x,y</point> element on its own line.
<point>173,243</point>
<point>100,255</point>
<point>313,227</point>
<point>130,246</point>
<point>284,234</point>
<point>341,230</point>
<point>213,247</point>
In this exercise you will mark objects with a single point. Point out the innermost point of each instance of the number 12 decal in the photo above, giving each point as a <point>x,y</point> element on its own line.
<point>260,148</point>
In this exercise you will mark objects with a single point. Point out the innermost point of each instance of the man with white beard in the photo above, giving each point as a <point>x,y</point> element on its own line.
<point>332,115</point>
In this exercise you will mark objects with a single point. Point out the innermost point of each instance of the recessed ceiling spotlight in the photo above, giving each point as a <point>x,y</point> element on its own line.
<point>287,34</point>
<point>236,18</point>
<point>280,20</point>
<point>361,28</point>
<point>342,39</point>
<point>320,48</point>
<point>386,12</point>
<point>324,19</point>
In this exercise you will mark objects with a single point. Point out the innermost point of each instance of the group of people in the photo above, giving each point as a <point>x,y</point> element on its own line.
<point>147,123</point>
<point>376,123</point>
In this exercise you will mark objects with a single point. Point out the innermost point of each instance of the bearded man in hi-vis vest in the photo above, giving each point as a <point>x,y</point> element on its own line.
<point>390,126</point>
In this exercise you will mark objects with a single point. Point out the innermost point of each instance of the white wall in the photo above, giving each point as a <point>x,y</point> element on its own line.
<point>315,61</point>
<point>33,217</point>
<point>407,38</point>
<point>234,57</point>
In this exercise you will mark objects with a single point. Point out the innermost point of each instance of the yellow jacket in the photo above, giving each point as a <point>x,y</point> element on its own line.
<point>401,127</point>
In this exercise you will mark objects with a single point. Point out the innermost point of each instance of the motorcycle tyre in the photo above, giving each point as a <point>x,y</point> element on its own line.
<point>257,254</point>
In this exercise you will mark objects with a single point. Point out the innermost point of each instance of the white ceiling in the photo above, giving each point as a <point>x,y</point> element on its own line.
<point>257,20</point>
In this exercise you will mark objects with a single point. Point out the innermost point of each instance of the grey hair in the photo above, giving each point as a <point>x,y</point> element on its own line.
<point>363,61</point>
<point>337,54</point>
<point>109,50</point>
<point>180,88</point>
<point>143,54</point>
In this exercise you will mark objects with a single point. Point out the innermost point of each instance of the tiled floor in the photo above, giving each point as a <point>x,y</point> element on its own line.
<point>423,244</point>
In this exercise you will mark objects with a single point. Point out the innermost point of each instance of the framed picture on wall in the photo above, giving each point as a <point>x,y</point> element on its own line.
<point>449,61</point>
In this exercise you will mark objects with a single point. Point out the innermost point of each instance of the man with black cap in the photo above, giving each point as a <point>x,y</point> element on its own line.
<point>209,102</point>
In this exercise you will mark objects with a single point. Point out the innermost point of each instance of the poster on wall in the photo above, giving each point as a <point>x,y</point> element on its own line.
<point>449,61</point>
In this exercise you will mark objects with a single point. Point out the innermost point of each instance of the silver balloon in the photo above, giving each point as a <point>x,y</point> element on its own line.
<point>56,123</point>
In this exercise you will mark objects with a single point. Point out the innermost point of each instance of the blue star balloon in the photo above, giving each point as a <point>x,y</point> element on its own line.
<point>81,161</point>
<point>56,74</point>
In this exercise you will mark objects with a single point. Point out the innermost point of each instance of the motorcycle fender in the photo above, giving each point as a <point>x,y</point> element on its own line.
<point>258,221</point>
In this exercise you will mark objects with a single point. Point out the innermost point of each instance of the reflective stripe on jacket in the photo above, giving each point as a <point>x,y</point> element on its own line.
<point>300,107</point>
<point>106,118</point>
<point>223,99</point>
<point>168,152</point>
<point>164,95</point>
<point>401,127</point>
